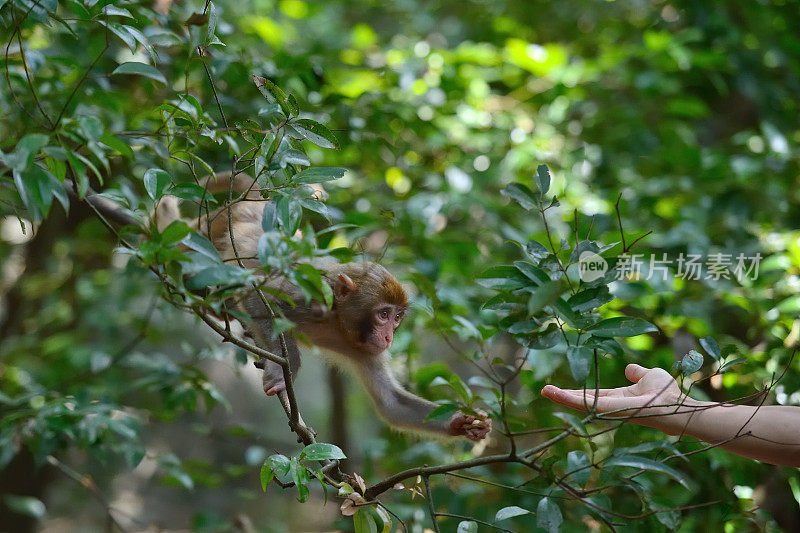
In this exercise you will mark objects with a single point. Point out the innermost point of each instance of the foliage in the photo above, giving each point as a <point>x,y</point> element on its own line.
<point>488,146</point>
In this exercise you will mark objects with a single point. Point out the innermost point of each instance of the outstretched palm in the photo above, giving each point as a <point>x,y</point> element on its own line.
<point>652,392</point>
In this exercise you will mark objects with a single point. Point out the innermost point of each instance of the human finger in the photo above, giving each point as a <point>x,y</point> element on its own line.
<point>592,391</point>
<point>573,399</point>
<point>635,372</point>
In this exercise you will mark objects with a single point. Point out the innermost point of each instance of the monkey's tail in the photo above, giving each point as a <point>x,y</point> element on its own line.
<point>166,210</point>
<point>106,207</point>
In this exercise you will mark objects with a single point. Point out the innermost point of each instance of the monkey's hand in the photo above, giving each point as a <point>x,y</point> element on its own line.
<point>473,427</point>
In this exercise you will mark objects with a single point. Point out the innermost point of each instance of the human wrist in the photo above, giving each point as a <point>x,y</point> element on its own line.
<point>679,416</point>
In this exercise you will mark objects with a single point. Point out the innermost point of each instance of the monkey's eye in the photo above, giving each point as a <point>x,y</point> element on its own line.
<point>398,317</point>
<point>384,314</point>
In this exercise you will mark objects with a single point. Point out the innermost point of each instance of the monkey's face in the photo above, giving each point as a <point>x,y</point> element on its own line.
<point>369,309</point>
<point>376,329</point>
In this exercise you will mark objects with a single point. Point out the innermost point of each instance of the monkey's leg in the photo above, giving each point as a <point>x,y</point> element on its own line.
<point>259,327</point>
<point>272,377</point>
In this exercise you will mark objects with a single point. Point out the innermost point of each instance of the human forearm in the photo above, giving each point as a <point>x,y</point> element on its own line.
<point>770,434</point>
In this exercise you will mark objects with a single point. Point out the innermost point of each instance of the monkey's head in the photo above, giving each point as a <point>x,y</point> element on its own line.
<point>369,304</point>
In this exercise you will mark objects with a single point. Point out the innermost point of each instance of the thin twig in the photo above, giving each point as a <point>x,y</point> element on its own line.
<point>431,506</point>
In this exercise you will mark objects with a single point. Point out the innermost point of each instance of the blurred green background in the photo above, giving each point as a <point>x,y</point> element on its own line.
<point>114,403</point>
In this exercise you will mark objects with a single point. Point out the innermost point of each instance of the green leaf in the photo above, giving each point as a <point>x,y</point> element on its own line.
<point>155,181</point>
<point>532,272</point>
<point>573,420</point>
<point>176,231</point>
<point>542,179</point>
<point>197,242</point>
<point>279,464</point>
<point>604,345</point>
<point>25,505</point>
<point>179,477</point>
<point>727,365</point>
<point>621,327</point>
<point>116,144</point>
<point>468,328</point>
<point>460,388</point>
<point>510,512</point>
<point>26,149</point>
<point>578,467</point>
<point>141,39</point>
<point>269,217</point>
<point>590,299</point>
<point>580,361</point>
<point>291,105</point>
<point>522,194</point>
<point>117,11</point>
<point>191,191</point>
<point>120,31</point>
<point>319,175</point>
<point>691,362</point>
<point>271,92</point>
<point>644,463</point>
<point>316,133</point>
<point>79,170</point>
<point>289,213</point>
<point>363,522</point>
<point>671,518</point>
<point>91,127</point>
<point>790,305</point>
<point>266,249</point>
<point>544,339</point>
<point>536,250</point>
<point>140,69</point>
<point>218,275</point>
<point>299,475</point>
<point>548,515</point>
<point>320,451</point>
<point>502,301</point>
<point>710,346</point>
<point>293,157</point>
<point>569,316</point>
<point>89,164</point>
<point>524,327</point>
<point>443,412</point>
<point>316,206</point>
<point>37,187</point>
<point>503,277</point>
<point>467,526</point>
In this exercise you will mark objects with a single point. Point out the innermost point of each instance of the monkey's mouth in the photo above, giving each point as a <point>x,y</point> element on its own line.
<point>374,348</point>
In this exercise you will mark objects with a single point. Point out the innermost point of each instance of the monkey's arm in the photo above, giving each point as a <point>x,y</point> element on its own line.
<point>402,409</point>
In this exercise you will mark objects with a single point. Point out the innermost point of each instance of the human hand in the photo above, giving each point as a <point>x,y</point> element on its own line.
<point>655,393</point>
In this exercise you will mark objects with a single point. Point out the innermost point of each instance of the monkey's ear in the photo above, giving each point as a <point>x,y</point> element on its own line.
<point>343,287</point>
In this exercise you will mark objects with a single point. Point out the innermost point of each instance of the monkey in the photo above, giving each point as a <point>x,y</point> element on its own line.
<point>369,305</point>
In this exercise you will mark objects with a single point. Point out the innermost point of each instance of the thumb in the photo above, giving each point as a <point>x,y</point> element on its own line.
<point>635,372</point>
